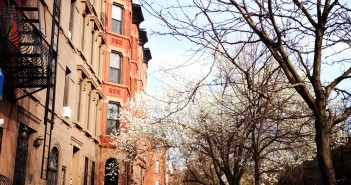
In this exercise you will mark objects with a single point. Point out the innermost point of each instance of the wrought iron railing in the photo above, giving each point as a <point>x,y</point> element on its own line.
<point>24,53</point>
<point>4,180</point>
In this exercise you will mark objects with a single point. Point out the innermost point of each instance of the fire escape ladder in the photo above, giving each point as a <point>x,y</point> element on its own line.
<point>24,53</point>
<point>49,114</point>
<point>28,60</point>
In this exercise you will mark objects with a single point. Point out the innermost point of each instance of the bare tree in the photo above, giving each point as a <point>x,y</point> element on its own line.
<point>275,116</point>
<point>308,39</point>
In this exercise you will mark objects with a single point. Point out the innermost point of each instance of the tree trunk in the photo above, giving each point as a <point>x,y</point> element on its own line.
<point>257,171</point>
<point>237,182</point>
<point>325,163</point>
<point>237,178</point>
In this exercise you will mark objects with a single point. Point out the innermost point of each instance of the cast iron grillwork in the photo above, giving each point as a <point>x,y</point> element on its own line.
<point>21,156</point>
<point>28,60</point>
<point>4,180</point>
<point>24,53</point>
<point>53,167</point>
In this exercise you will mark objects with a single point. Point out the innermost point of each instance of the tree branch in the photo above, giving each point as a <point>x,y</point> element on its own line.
<point>336,81</point>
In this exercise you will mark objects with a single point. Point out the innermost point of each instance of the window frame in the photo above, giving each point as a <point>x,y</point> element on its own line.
<point>92,49</point>
<point>92,177</point>
<point>119,76</point>
<point>120,31</point>
<point>157,165</point>
<point>63,173</point>
<point>83,31</point>
<point>109,130</point>
<point>86,168</point>
<point>79,100</point>
<point>66,87</point>
<point>111,178</point>
<point>71,18</point>
<point>52,176</point>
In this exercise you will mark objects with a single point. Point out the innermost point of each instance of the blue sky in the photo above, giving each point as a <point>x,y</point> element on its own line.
<point>168,51</point>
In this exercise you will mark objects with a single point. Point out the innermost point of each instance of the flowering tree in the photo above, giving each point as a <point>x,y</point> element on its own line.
<point>239,121</point>
<point>226,127</point>
<point>137,135</point>
<point>278,122</point>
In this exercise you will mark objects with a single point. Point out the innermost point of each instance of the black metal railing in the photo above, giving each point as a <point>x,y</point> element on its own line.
<point>4,180</point>
<point>24,53</point>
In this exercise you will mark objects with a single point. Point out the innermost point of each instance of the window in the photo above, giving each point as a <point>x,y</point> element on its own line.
<point>157,166</point>
<point>86,171</point>
<point>92,49</point>
<point>79,99</point>
<point>71,14</point>
<point>66,88</point>
<point>115,67</point>
<point>111,172</point>
<point>6,19</point>
<point>92,178</point>
<point>112,118</point>
<point>53,167</point>
<point>157,182</point>
<point>89,113</point>
<point>102,14</point>
<point>83,32</point>
<point>116,22</point>
<point>63,175</point>
<point>97,116</point>
<point>99,64</point>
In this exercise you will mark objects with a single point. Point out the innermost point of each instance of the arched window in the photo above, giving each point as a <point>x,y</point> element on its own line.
<point>111,172</point>
<point>53,167</point>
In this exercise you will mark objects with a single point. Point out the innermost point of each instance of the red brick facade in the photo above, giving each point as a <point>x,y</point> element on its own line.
<point>133,78</point>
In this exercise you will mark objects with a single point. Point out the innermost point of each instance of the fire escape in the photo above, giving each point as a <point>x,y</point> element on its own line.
<point>28,60</point>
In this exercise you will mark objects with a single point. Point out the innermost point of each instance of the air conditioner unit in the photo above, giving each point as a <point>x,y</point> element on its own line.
<point>69,35</point>
<point>67,112</point>
<point>1,123</point>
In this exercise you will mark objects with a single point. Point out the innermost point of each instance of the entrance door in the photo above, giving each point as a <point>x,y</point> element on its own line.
<point>21,156</point>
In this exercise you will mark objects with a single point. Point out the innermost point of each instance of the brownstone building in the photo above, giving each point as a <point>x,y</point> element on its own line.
<point>69,67</point>
<point>156,170</point>
<point>51,58</point>
<point>125,73</point>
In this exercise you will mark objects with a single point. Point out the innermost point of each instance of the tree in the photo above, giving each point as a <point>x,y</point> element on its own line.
<point>138,134</point>
<point>276,120</point>
<point>305,173</point>
<point>305,38</point>
<point>241,122</point>
<point>228,130</point>
<point>230,121</point>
